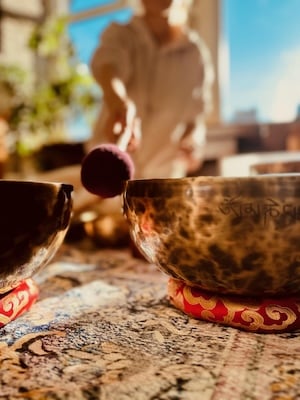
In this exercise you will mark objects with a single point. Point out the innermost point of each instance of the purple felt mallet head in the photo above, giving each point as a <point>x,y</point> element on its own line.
<point>105,169</point>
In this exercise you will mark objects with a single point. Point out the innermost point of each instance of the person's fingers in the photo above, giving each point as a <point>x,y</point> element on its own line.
<point>135,140</point>
<point>121,118</point>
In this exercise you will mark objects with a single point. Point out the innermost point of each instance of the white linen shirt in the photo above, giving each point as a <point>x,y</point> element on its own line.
<point>170,86</point>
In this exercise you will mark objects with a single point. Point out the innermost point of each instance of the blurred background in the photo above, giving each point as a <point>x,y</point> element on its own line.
<point>48,98</point>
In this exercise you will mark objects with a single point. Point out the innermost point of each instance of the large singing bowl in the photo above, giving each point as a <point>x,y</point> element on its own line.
<point>225,235</point>
<point>34,218</point>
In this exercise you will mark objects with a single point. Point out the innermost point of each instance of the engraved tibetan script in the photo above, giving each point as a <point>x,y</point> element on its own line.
<point>262,210</point>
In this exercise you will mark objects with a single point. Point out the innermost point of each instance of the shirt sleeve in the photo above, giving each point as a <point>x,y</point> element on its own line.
<point>114,49</point>
<point>201,100</point>
<point>209,76</point>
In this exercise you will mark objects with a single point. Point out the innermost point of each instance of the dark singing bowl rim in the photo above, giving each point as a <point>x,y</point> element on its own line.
<point>274,183</point>
<point>27,182</point>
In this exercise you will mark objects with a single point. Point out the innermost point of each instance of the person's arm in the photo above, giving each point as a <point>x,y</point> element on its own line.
<point>121,109</point>
<point>114,95</point>
<point>111,67</point>
<point>192,141</point>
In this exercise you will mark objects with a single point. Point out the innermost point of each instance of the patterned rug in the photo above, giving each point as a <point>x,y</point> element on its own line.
<point>103,328</point>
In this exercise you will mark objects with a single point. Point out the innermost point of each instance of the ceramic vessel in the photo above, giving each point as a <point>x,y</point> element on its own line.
<point>34,218</point>
<point>225,235</point>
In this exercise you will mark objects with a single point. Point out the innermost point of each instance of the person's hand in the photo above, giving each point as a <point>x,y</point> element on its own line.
<point>191,147</point>
<point>190,157</point>
<point>121,118</point>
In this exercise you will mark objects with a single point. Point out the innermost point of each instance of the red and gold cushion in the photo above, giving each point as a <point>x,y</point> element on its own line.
<point>268,315</point>
<point>17,301</point>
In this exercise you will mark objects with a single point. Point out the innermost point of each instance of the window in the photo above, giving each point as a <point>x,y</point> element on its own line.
<point>263,38</point>
<point>85,28</point>
<point>88,19</point>
<point>262,43</point>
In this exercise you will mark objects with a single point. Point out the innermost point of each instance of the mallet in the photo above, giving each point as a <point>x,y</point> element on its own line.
<point>105,168</point>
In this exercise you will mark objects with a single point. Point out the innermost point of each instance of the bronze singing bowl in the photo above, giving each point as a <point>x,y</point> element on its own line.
<point>34,219</point>
<point>226,235</point>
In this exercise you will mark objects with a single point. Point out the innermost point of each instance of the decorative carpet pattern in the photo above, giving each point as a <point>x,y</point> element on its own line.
<point>104,328</point>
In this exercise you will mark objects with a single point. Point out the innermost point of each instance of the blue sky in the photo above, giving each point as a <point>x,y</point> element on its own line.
<point>264,56</point>
<point>80,5</point>
<point>86,33</point>
<point>264,38</point>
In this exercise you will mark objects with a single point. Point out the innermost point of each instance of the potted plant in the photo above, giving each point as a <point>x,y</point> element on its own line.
<point>63,89</point>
